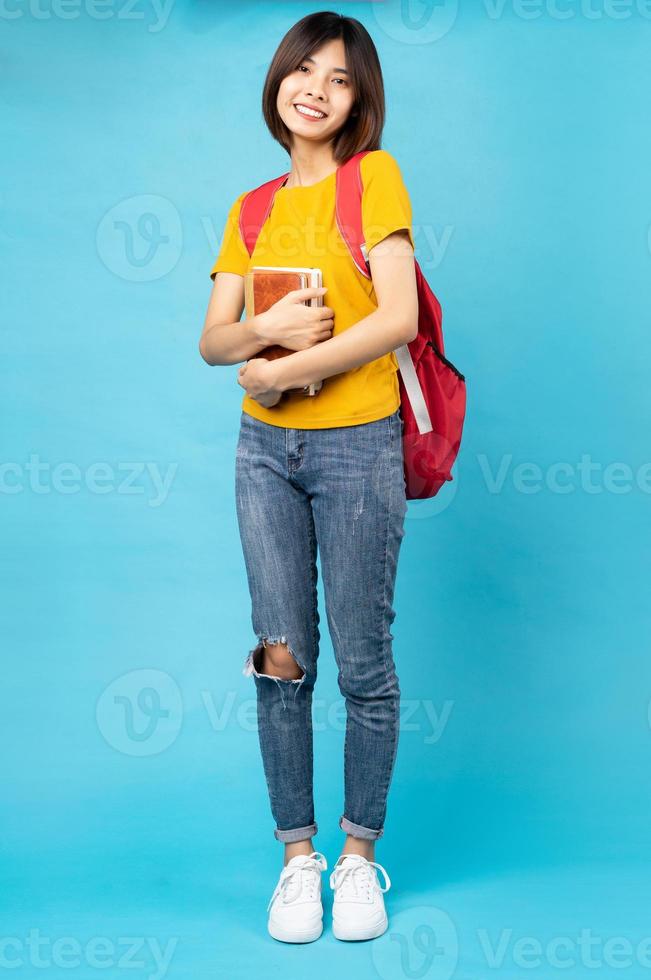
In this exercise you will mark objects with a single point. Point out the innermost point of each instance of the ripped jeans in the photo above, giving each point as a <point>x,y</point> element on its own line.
<point>342,490</point>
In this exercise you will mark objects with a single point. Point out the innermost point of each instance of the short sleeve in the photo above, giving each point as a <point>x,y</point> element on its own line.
<point>233,256</point>
<point>385,202</point>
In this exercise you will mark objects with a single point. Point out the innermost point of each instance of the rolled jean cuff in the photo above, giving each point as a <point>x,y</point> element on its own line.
<point>298,833</point>
<point>356,830</point>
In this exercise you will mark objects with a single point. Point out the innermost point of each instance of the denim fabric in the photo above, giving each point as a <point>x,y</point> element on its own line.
<point>342,491</point>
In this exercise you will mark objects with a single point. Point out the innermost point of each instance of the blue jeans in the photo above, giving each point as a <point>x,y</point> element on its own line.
<point>342,490</point>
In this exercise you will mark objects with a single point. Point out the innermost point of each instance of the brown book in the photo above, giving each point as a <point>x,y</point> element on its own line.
<point>265,285</point>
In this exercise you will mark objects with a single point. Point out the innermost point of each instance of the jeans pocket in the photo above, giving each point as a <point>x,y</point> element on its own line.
<point>396,426</point>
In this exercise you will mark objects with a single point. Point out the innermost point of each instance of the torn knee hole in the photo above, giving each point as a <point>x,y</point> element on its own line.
<point>281,662</point>
<point>273,658</point>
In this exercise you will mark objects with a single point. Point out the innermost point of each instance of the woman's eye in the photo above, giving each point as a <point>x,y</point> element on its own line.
<point>342,80</point>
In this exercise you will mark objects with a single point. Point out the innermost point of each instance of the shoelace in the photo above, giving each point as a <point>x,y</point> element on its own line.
<point>356,878</point>
<point>293,875</point>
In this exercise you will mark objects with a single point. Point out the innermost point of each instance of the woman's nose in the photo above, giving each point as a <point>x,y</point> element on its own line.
<point>315,92</point>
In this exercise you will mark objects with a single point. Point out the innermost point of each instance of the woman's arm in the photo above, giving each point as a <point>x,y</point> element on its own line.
<point>395,322</point>
<point>224,339</point>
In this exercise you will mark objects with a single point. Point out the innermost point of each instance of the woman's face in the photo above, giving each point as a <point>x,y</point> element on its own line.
<point>319,82</point>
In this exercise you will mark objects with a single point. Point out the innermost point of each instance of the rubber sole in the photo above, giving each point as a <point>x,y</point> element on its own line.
<point>285,936</point>
<point>347,934</point>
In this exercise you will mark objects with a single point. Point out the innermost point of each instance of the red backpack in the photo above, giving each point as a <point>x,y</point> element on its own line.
<point>432,390</point>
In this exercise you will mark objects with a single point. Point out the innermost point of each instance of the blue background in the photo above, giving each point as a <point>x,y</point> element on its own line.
<point>135,802</point>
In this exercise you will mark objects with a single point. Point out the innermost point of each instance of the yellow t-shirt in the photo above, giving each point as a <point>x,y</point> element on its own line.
<point>302,231</point>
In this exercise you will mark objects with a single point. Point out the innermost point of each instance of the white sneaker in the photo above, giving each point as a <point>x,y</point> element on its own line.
<point>295,908</point>
<point>358,910</point>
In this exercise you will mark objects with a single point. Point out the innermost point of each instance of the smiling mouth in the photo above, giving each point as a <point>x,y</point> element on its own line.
<point>306,113</point>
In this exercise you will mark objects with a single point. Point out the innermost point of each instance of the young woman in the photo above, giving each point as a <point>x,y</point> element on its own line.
<point>324,471</point>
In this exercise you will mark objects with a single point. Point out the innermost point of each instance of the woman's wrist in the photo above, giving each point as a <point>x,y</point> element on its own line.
<point>279,379</point>
<point>260,325</point>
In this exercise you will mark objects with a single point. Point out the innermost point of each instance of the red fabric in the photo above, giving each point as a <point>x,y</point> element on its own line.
<point>429,456</point>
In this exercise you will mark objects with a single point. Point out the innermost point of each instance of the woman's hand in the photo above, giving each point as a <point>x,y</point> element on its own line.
<point>258,378</point>
<point>292,324</point>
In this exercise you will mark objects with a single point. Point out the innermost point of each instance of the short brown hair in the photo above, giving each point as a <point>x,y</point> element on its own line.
<point>363,128</point>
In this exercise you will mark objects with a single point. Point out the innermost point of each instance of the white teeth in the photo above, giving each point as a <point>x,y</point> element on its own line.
<point>309,112</point>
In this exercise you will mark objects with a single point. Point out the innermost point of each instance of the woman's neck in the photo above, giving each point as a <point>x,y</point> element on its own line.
<point>310,168</point>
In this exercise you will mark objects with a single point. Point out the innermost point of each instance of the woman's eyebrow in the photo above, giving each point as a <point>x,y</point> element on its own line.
<point>342,70</point>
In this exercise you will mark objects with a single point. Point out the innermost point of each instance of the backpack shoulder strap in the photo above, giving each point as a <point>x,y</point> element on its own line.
<point>257,204</point>
<point>348,210</point>
<point>255,210</point>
